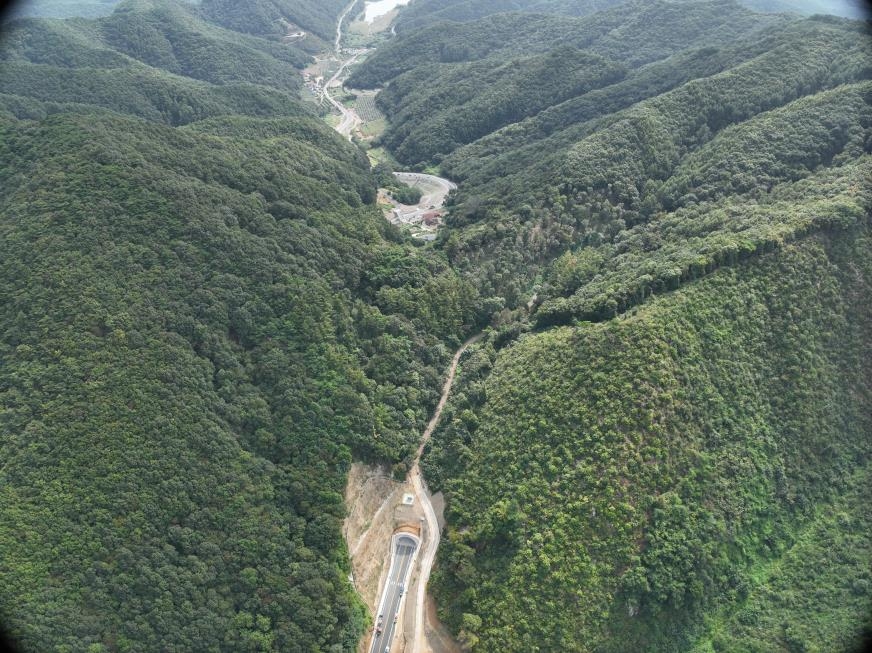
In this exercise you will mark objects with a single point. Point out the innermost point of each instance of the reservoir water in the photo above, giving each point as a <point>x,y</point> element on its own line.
<point>381,7</point>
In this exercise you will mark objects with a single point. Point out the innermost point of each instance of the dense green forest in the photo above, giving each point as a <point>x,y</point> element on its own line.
<point>185,383</point>
<point>164,35</point>
<point>423,13</point>
<point>59,8</point>
<point>204,319</point>
<point>267,18</point>
<point>664,442</point>
<point>564,167</point>
<point>635,32</point>
<point>692,472</point>
<point>273,18</point>
<point>858,9</point>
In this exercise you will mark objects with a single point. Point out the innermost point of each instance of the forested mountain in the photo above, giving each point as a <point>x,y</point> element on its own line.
<point>201,328</point>
<point>423,13</point>
<point>267,18</point>
<point>663,440</point>
<point>597,159</point>
<point>162,34</point>
<point>204,319</point>
<point>858,9</point>
<point>692,477</point>
<point>272,17</point>
<point>59,8</point>
<point>635,32</point>
<point>151,58</point>
<point>671,452</point>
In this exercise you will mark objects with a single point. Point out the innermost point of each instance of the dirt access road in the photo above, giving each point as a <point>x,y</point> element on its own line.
<point>431,538</point>
<point>378,512</point>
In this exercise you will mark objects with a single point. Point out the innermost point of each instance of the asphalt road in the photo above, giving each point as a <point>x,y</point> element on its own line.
<point>350,119</point>
<point>404,548</point>
<point>337,45</point>
<point>435,188</point>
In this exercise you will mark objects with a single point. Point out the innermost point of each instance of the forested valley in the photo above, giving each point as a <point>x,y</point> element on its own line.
<point>661,443</point>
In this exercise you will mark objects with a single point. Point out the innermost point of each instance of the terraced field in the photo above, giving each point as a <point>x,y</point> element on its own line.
<point>366,109</point>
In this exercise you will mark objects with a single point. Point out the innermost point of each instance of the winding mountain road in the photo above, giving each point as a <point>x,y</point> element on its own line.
<point>350,119</point>
<point>435,188</point>
<point>337,44</point>
<point>406,547</point>
<point>403,553</point>
<point>431,539</point>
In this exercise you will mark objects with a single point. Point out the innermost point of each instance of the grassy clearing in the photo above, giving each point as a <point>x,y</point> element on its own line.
<point>373,129</point>
<point>381,155</point>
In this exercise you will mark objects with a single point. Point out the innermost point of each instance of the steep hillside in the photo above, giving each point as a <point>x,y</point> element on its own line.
<point>427,12</point>
<point>591,165</point>
<point>628,485</point>
<point>634,33</point>
<point>158,33</point>
<point>168,35</point>
<point>857,9</point>
<point>152,58</point>
<point>661,444</point>
<point>471,101</point>
<point>201,327</point>
<point>650,47</point>
<point>424,13</point>
<point>58,8</point>
<point>272,18</point>
<point>685,457</point>
<point>318,16</point>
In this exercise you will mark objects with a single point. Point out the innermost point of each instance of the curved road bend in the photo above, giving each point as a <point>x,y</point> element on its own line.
<point>435,197</point>
<point>350,119</point>
<point>403,552</point>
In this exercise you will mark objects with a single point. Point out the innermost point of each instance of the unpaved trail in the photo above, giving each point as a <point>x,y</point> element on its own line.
<point>431,541</point>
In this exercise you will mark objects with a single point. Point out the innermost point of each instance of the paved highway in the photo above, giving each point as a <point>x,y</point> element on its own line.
<point>337,45</point>
<point>405,547</point>
<point>350,119</point>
